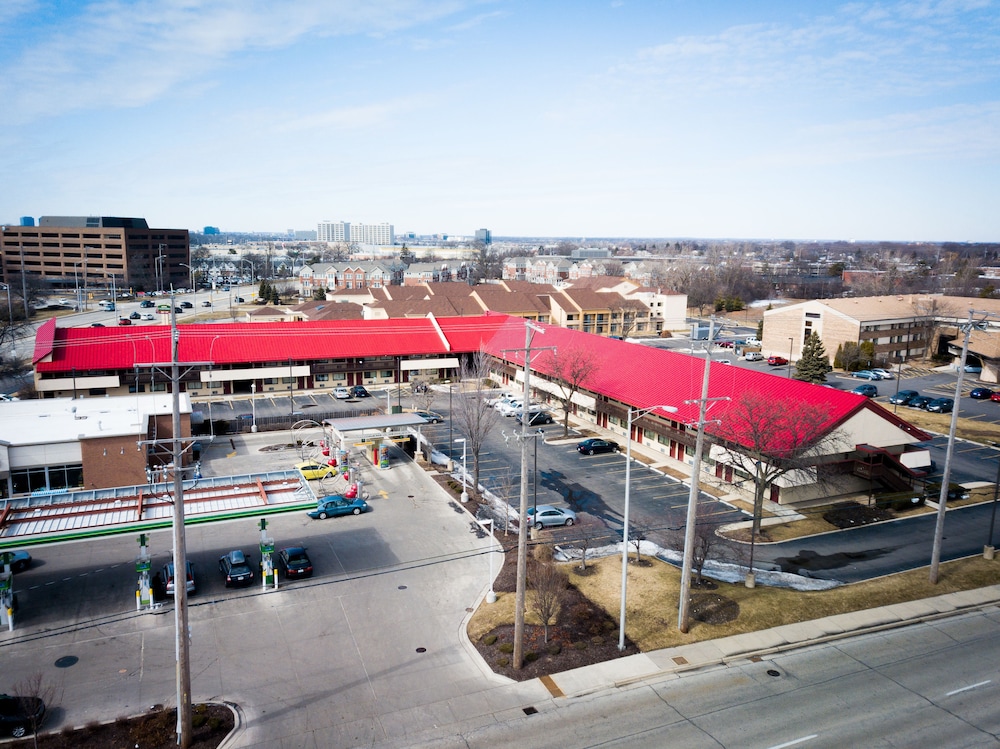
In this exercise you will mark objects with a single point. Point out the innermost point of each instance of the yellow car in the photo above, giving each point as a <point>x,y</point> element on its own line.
<point>311,470</point>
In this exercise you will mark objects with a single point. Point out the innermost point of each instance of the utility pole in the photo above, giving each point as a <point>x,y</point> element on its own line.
<point>523,520</point>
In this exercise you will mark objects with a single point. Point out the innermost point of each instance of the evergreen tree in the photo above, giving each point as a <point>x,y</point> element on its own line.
<point>813,363</point>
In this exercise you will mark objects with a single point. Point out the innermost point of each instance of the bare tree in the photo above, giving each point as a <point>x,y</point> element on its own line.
<point>572,367</point>
<point>35,697</point>
<point>637,533</point>
<point>548,587</point>
<point>474,415</point>
<point>767,438</point>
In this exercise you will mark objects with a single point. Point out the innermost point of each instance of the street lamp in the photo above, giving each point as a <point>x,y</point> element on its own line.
<point>253,406</point>
<point>191,282</point>
<point>465,493</point>
<point>633,414</point>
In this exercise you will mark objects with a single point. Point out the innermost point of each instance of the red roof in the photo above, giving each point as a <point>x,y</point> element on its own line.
<point>637,375</point>
<point>644,376</point>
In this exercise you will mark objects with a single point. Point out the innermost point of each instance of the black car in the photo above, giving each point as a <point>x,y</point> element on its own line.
<point>903,397</point>
<point>594,445</point>
<point>535,419</point>
<point>236,567</point>
<point>920,401</point>
<point>19,716</point>
<point>941,405</point>
<point>294,562</point>
<point>187,305</point>
<point>358,391</point>
<point>146,304</point>
<point>135,316</point>
<point>981,394</point>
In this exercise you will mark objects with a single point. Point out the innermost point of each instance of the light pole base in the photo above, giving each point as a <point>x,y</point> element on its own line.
<point>989,552</point>
<point>451,466</point>
<point>254,429</point>
<point>465,497</point>
<point>491,597</point>
<point>751,580</point>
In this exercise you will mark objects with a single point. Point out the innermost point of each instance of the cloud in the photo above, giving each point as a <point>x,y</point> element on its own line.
<point>123,54</point>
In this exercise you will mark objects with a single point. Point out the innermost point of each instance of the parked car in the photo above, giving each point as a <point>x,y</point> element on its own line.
<point>883,374</point>
<point>941,405</point>
<point>869,391</point>
<point>996,396</point>
<point>724,344</point>
<point>19,716</point>
<point>235,567</point>
<point>545,515</point>
<point>973,368</point>
<point>594,446</point>
<point>135,316</point>
<point>336,504</point>
<point>19,561</point>
<point>903,397</point>
<point>751,341</point>
<point>294,562</point>
<point>753,356</point>
<point>312,471</point>
<point>511,408</point>
<point>536,418</point>
<point>341,393</point>
<point>502,398</point>
<point>866,374</point>
<point>358,391</point>
<point>432,416</point>
<point>981,394</point>
<point>167,578</point>
<point>920,401</point>
<point>776,361</point>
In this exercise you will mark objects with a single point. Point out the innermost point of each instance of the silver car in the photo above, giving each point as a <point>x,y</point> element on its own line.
<point>545,515</point>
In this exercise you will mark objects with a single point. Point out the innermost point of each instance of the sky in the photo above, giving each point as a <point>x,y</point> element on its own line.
<point>773,119</point>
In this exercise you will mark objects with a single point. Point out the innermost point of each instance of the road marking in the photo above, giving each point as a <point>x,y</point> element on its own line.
<point>966,689</point>
<point>793,742</point>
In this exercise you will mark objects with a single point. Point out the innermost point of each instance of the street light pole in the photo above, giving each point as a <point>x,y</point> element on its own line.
<point>790,341</point>
<point>491,596</point>
<point>253,406</point>
<point>633,414</point>
<point>465,493</point>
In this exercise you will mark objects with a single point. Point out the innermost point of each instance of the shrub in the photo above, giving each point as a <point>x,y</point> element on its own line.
<point>597,640</point>
<point>489,639</point>
<point>503,662</point>
<point>530,657</point>
<point>554,648</point>
<point>506,647</point>
<point>580,645</point>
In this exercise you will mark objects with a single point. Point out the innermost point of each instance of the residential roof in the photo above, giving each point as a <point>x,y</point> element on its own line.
<point>644,377</point>
<point>872,308</point>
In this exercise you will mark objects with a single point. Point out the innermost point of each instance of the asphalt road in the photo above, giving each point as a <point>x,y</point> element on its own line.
<point>929,685</point>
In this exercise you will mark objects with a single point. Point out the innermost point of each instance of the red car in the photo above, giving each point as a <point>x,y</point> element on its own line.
<point>996,396</point>
<point>776,361</point>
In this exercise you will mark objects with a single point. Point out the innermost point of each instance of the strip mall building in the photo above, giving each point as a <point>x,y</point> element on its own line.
<point>857,445</point>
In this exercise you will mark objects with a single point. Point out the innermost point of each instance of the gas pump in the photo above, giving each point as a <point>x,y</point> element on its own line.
<point>268,576</point>
<point>6,591</point>
<point>144,594</point>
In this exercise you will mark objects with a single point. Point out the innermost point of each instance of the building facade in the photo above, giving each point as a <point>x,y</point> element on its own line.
<point>91,253</point>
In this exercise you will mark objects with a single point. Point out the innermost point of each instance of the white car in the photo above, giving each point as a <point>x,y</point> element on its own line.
<point>341,393</point>
<point>148,316</point>
<point>754,356</point>
<point>885,374</point>
<point>512,408</point>
<point>504,398</point>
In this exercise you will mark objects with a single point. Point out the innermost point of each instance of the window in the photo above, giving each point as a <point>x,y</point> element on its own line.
<point>322,378</point>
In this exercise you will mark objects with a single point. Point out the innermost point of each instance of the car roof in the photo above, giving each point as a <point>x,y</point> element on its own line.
<point>294,550</point>
<point>539,508</point>
<point>236,556</point>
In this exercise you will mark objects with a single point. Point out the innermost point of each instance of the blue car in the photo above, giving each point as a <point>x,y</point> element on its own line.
<point>867,374</point>
<point>869,391</point>
<point>941,405</point>
<point>335,505</point>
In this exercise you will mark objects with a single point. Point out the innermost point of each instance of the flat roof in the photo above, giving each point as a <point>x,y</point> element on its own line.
<point>48,420</point>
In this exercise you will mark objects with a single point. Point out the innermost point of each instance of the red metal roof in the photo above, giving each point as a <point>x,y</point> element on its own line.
<point>88,349</point>
<point>644,376</point>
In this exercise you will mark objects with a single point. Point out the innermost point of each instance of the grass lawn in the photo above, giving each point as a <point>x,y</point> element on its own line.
<point>653,593</point>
